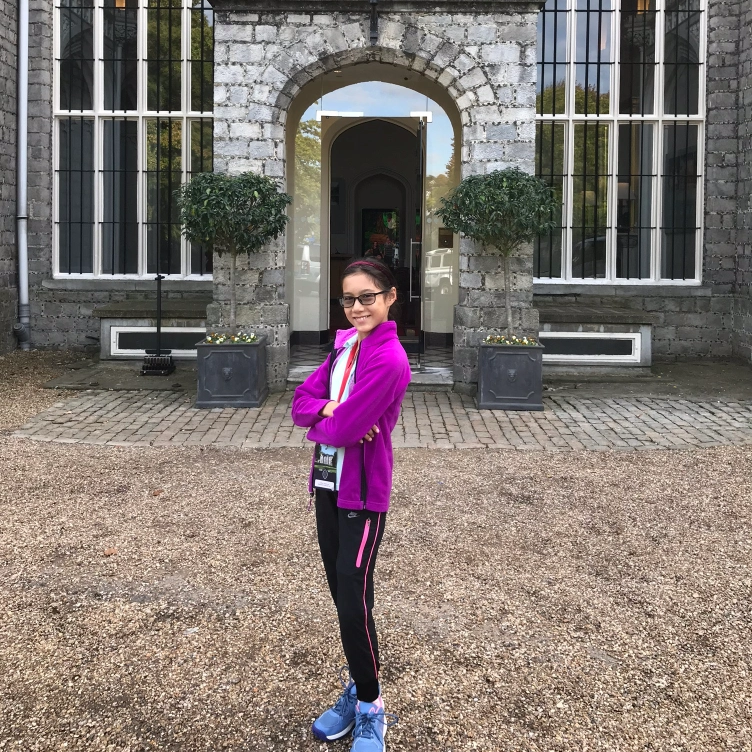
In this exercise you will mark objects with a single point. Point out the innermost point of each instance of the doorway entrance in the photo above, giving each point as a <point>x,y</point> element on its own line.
<point>376,180</point>
<point>365,185</point>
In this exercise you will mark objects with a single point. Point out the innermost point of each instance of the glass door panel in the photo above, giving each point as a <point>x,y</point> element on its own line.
<point>383,185</point>
<point>411,332</point>
<point>440,257</point>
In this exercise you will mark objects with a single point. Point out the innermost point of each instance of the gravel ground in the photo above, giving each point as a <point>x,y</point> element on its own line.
<point>21,377</point>
<point>174,600</point>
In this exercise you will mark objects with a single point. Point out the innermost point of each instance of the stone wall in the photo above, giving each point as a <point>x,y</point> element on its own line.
<point>721,165</point>
<point>8,294</point>
<point>484,60</point>
<point>688,322</point>
<point>743,310</point>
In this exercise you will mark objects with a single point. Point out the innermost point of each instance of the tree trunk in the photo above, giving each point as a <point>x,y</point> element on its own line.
<point>508,294</point>
<point>233,297</point>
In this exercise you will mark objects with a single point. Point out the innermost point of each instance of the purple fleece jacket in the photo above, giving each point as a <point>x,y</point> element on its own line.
<point>382,374</point>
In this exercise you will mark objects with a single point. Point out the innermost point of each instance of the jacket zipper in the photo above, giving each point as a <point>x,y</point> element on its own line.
<point>362,548</point>
<point>363,479</point>
<point>311,494</point>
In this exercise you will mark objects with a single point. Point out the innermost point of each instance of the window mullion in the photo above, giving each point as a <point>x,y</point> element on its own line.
<point>96,102</point>
<point>660,55</point>
<point>567,202</point>
<point>566,214</point>
<point>660,83</point>
<point>185,65</point>
<point>56,40</point>
<point>658,139</point>
<point>143,87</point>
<point>700,200</point>
<point>613,101</point>
<point>56,198</point>
<point>141,47</point>
<point>98,51</point>
<point>56,52</point>
<point>571,66</point>
<point>185,151</point>
<point>611,242</point>
<point>703,48</point>
<point>569,151</point>
<point>569,206</point>
<point>657,200</point>
<point>97,125</point>
<point>185,77</point>
<point>701,147</point>
<point>141,194</point>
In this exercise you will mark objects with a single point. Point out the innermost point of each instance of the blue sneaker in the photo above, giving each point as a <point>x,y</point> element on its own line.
<point>370,726</point>
<point>338,721</point>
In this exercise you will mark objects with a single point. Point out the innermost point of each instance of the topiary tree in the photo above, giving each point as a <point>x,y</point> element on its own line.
<point>232,214</point>
<point>504,210</point>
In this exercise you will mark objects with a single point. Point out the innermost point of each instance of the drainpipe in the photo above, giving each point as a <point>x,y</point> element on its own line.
<point>21,329</point>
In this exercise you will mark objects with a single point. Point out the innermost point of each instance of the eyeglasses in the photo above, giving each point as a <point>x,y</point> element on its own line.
<point>367,298</point>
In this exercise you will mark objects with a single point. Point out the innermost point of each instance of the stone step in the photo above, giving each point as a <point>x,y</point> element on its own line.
<point>431,380</point>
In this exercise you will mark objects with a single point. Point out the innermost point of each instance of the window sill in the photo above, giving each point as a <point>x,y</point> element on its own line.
<point>672,290</point>
<point>140,285</point>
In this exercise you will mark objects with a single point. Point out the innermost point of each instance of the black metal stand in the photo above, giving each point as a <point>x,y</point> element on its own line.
<point>158,362</point>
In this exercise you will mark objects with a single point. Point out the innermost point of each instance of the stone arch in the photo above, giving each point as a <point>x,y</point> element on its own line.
<point>454,82</point>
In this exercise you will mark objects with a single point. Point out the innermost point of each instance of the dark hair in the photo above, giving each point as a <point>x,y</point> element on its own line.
<point>380,273</point>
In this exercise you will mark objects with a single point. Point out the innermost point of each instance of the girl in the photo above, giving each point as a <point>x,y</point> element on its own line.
<point>351,405</point>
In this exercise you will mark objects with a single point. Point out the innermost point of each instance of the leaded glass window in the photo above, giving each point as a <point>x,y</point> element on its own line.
<point>134,101</point>
<point>619,139</point>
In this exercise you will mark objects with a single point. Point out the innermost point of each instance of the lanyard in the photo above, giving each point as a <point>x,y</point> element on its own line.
<point>348,369</point>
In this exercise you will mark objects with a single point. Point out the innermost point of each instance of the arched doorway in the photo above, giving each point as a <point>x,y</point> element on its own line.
<point>382,172</point>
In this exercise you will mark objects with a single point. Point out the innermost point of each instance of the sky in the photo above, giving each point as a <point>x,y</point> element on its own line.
<point>374,98</point>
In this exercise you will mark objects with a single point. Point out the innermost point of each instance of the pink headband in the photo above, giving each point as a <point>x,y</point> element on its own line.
<point>360,262</point>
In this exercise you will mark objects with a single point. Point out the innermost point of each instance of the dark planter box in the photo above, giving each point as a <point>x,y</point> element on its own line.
<point>510,377</point>
<point>231,375</point>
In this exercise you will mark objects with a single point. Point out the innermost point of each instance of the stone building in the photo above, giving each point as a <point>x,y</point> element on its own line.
<point>637,113</point>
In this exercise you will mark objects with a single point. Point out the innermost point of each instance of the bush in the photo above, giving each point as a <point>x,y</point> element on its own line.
<point>232,214</point>
<point>504,210</point>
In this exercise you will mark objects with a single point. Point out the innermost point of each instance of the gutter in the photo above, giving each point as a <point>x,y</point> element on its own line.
<point>22,329</point>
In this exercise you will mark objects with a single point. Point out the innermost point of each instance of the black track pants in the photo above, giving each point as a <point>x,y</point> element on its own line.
<point>349,541</point>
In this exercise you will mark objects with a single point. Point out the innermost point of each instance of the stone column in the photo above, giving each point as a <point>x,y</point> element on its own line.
<point>498,132</point>
<point>743,288</point>
<point>249,136</point>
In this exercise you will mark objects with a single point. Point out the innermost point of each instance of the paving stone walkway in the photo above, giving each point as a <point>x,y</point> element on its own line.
<point>429,419</point>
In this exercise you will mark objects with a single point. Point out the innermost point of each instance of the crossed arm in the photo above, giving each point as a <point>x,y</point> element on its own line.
<point>354,420</point>
<point>328,410</point>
